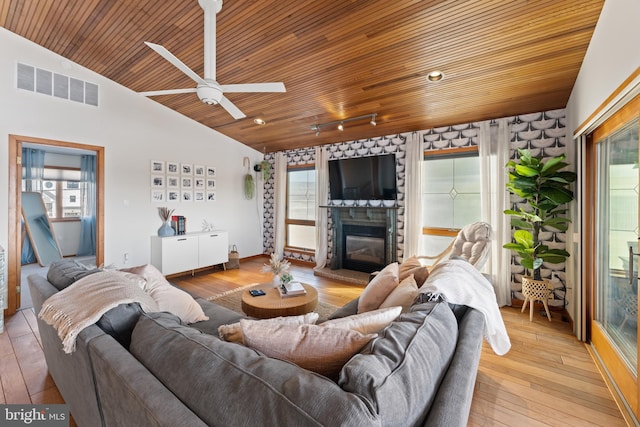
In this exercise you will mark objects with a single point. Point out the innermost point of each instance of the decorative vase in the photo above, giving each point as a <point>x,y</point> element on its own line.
<point>276,281</point>
<point>165,229</point>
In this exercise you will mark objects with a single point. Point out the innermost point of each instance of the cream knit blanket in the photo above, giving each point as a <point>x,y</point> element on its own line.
<point>85,301</point>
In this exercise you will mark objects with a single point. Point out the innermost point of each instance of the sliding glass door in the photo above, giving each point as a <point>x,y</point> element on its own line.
<point>614,311</point>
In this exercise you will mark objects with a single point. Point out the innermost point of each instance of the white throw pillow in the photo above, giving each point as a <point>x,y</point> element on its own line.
<point>312,347</point>
<point>379,288</point>
<point>370,322</point>
<point>233,332</point>
<point>168,297</point>
<point>403,295</point>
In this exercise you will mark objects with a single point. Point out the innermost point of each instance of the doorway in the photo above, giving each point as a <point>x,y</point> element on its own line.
<point>15,208</point>
<point>614,180</point>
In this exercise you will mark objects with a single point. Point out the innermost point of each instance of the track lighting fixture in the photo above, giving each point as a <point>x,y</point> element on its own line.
<point>317,127</point>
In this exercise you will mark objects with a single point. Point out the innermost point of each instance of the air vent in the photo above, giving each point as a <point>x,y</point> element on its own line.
<point>47,83</point>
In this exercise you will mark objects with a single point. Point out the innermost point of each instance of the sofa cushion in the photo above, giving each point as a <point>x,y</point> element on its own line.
<point>379,288</point>
<point>399,373</point>
<point>233,332</point>
<point>316,348</point>
<point>247,386</point>
<point>120,321</point>
<point>64,272</point>
<point>403,295</point>
<point>370,322</point>
<point>168,297</point>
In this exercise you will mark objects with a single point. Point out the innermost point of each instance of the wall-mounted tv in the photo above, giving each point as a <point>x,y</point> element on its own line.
<point>363,178</point>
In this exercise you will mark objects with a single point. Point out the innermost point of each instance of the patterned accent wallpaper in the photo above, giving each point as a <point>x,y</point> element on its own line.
<point>542,132</point>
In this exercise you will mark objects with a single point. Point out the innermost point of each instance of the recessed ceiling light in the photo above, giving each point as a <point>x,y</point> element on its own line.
<point>435,76</point>
<point>259,121</point>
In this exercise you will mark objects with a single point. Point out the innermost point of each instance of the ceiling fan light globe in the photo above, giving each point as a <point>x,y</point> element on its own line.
<point>209,95</point>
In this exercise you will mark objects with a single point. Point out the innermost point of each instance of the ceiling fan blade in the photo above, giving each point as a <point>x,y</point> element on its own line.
<point>176,62</point>
<point>231,108</point>
<point>254,87</point>
<point>168,91</point>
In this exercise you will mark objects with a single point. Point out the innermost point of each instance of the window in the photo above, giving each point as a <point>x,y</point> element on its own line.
<point>450,196</point>
<point>61,192</point>
<point>301,209</point>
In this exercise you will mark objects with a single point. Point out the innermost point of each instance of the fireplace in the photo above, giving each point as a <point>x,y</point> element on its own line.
<point>364,238</point>
<point>364,247</point>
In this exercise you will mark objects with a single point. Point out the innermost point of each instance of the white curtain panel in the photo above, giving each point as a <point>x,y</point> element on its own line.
<point>322,199</point>
<point>414,157</point>
<point>493,149</point>
<point>280,178</point>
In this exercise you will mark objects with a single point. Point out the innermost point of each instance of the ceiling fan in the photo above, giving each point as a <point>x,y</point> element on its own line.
<point>209,90</point>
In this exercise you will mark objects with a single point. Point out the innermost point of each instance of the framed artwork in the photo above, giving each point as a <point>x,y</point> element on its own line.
<point>187,182</point>
<point>186,169</point>
<point>173,181</point>
<point>157,181</point>
<point>211,184</point>
<point>198,183</point>
<point>198,170</point>
<point>173,196</point>
<point>211,172</point>
<point>173,168</point>
<point>157,166</point>
<point>157,196</point>
<point>199,196</point>
<point>211,196</point>
<point>187,196</point>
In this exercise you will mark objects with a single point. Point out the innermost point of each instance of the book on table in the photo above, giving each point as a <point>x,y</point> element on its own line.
<point>291,289</point>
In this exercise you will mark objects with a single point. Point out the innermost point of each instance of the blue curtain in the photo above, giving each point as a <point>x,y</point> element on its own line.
<point>88,220</point>
<point>32,170</point>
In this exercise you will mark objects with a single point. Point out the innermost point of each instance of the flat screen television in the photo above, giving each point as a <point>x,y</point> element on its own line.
<point>363,178</point>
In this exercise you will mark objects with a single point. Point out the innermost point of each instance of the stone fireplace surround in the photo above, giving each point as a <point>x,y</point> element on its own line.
<point>364,216</point>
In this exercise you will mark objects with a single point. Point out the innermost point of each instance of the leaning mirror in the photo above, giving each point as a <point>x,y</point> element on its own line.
<point>39,229</point>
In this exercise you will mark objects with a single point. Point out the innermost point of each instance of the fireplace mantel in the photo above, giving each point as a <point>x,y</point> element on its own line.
<point>380,216</point>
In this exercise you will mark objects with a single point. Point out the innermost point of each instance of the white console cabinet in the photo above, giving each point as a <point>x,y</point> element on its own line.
<point>188,252</point>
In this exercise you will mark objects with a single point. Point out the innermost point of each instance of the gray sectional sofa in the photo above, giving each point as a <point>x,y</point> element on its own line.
<point>138,369</point>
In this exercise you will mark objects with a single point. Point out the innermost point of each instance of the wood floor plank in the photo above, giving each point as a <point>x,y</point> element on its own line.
<point>15,390</point>
<point>32,363</point>
<point>17,325</point>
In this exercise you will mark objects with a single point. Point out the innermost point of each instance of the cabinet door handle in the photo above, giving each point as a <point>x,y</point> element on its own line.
<point>213,235</point>
<point>180,240</point>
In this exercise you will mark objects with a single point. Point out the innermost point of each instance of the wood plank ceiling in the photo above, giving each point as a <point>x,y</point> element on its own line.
<point>338,59</point>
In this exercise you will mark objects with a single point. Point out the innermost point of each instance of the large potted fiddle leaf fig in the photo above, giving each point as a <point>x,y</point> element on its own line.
<point>545,188</point>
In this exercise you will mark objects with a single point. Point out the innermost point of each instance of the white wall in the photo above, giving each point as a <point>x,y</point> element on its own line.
<point>134,130</point>
<point>612,56</point>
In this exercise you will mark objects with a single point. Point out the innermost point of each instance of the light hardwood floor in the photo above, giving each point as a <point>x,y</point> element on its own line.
<point>547,379</point>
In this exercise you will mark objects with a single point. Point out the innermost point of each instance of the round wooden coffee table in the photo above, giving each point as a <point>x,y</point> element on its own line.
<point>273,305</point>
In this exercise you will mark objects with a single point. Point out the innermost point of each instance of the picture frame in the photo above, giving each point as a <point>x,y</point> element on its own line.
<point>158,196</point>
<point>186,182</point>
<point>173,196</point>
<point>186,169</point>
<point>157,181</point>
<point>199,170</point>
<point>173,181</point>
<point>211,196</point>
<point>186,196</point>
<point>157,166</point>
<point>211,172</point>
<point>199,196</point>
<point>199,183</point>
<point>173,168</point>
<point>211,184</point>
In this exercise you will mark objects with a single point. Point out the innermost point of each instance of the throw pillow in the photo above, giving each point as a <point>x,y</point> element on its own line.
<point>379,288</point>
<point>168,297</point>
<point>64,272</point>
<point>370,322</point>
<point>312,347</point>
<point>413,266</point>
<point>403,295</point>
<point>233,331</point>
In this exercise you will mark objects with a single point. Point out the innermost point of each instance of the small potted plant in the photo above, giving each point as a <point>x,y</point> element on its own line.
<point>545,188</point>
<point>278,267</point>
